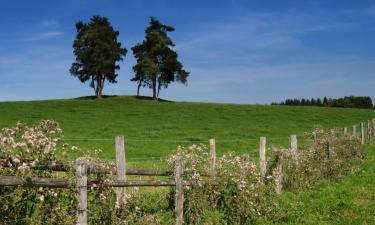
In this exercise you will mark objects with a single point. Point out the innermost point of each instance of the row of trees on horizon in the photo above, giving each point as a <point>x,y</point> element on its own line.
<point>346,102</point>
<point>98,51</point>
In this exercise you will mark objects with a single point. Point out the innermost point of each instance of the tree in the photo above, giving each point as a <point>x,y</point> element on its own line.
<point>97,52</point>
<point>157,64</point>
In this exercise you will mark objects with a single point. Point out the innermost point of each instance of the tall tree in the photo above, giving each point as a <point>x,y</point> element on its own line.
<point>97,52</point>
<point>157,63</point>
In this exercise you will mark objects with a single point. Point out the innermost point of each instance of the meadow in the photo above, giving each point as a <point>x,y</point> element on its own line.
<point>154,129</point>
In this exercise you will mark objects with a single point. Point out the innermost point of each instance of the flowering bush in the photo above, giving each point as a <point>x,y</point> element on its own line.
<point>236,193</point>
<point>23,150</point>
<point>330,156</point>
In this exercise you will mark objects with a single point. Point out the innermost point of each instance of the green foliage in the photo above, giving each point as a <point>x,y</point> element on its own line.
<point>157,65</point>
<point>237,192</point>
<point>25,149</point>
<point>349,200</point>
<point>346,102</point>
<point>21,149</point>
<point>97,51</point>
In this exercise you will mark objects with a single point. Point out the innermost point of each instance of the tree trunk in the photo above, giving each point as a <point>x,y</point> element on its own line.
<point>139,86</point>
<point>159,86</point>
<point>154,89</point>
<point>99,87</point>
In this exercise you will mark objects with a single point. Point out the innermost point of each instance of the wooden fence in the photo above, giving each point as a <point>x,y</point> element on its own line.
<point>83,168</point>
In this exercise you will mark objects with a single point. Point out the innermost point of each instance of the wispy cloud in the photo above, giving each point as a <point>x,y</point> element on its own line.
<point>43,36</point>
<point>258,36</point>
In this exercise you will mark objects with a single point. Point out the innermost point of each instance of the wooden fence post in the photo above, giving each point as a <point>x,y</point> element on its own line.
<point>121,170</point>
<point>179,198</point>
<point>262,157</point>
<point>279,174</point>
<point>81,173</point>
<point>331,147</point>
<point>368,131</point>
<point>362,133</point>
<point>373,127</point>
<point>314,136</point>
<point>293,144</point>
<point>354,131</point>
<point>212,157</point>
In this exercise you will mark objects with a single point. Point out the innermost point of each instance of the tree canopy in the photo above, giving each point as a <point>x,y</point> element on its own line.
<point>97,52</point>
<point>157,63</point>
<point>346,102</point>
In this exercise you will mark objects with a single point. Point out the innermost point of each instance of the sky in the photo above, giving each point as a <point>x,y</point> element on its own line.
<point>236,51</point>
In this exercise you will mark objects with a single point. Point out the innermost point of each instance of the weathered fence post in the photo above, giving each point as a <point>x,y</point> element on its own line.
<point>368,131</point>
<point>373,127</point>
<point>262,157</point>
<point>212,157</point>
<point>121,170</point>
<point>362,133</point>
<point>345,131</point>
<point>279,174</point>
<point>293,144</point>
<point>81,173</point>
<point>331,147</point>
<point>354,131</point>
<point>179,198</point>
<point>314,137</point>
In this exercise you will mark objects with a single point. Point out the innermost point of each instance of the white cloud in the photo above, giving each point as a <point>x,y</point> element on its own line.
<point>43,36</point>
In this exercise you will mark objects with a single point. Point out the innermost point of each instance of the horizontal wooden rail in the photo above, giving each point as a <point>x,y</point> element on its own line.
<point>34,182</point>
<point>63,183</point>
<point>96,168</point>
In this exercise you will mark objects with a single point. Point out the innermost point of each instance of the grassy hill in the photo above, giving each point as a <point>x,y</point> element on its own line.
<point>152,129</point>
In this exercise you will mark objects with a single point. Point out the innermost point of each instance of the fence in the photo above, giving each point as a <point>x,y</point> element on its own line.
<point>82,168</point>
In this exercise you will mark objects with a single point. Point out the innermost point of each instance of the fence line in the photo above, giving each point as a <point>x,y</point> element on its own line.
<point>82,167</point>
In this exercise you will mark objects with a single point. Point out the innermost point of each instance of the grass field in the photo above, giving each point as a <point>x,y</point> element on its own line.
<point>153,129</point>
<point>348,201</point>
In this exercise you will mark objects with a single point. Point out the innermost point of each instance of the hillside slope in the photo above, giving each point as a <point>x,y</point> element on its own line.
<point>152,129</point>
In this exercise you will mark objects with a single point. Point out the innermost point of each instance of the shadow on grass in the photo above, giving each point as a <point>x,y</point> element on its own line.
<point>91,97</point>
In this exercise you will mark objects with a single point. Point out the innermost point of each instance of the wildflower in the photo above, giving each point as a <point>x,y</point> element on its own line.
<point>75,148</point>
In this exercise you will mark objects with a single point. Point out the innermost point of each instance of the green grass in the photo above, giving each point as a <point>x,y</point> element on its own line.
<point>348,201</point>
<point>153,129</point>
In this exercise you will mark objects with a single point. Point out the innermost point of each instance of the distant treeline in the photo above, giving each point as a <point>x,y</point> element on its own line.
<point>346,102</point>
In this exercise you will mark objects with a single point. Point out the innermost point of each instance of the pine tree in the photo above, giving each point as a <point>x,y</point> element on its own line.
<point>97,52</point>
<point>157,64</point>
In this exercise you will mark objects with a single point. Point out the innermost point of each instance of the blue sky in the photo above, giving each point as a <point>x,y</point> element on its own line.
<point>236,51</point>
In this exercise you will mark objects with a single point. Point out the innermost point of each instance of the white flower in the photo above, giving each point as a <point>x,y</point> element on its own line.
<point>16,160</point>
